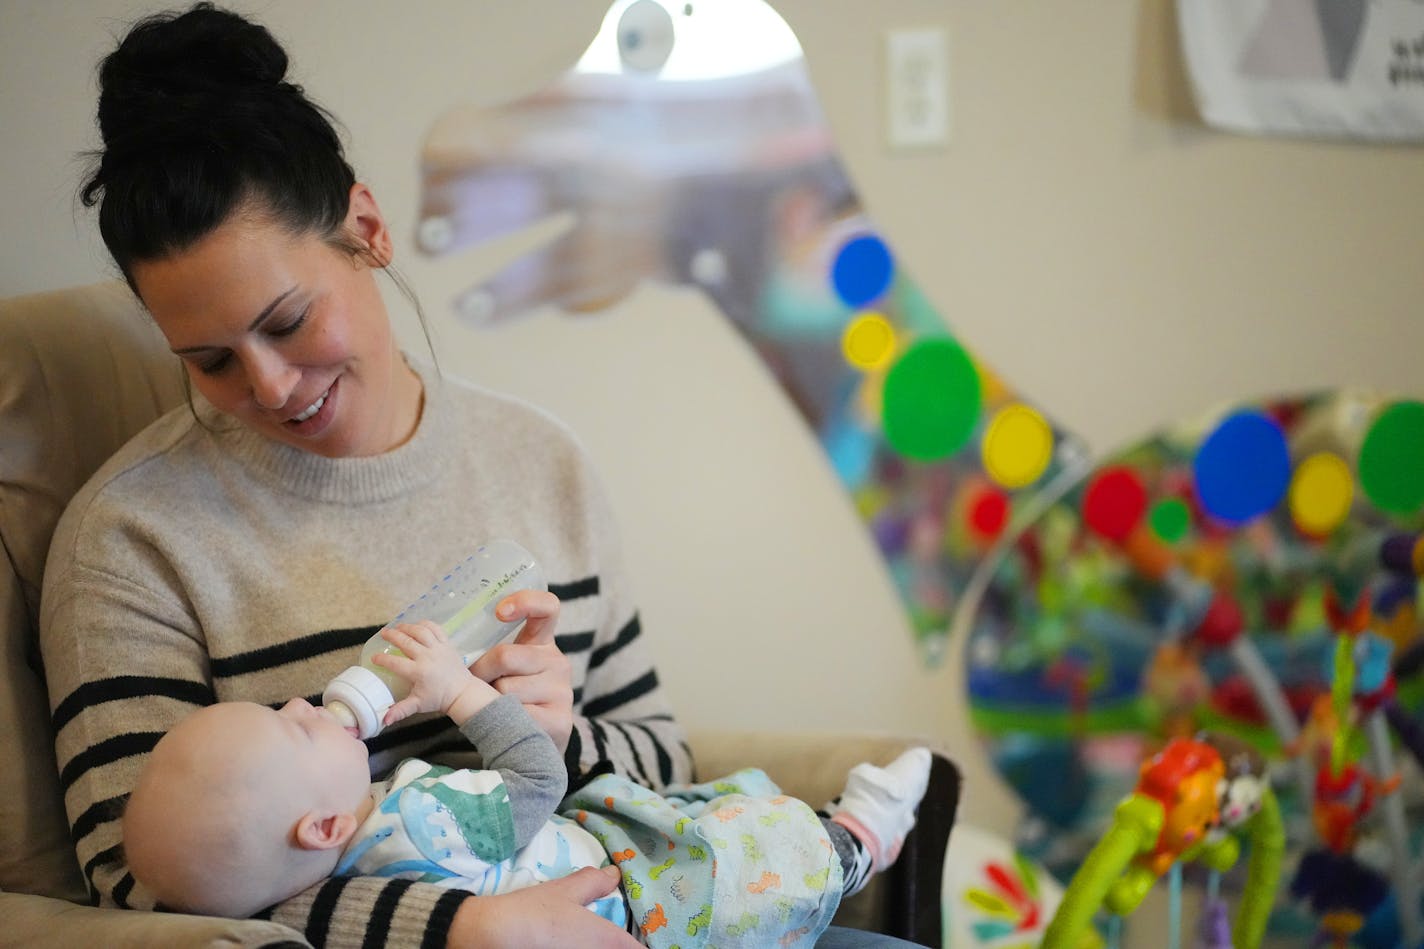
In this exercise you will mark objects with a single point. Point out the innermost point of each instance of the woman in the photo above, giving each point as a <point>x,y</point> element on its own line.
<point>244,547</point>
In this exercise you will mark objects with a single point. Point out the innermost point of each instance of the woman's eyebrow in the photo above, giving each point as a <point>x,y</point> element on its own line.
<point>266,312</point>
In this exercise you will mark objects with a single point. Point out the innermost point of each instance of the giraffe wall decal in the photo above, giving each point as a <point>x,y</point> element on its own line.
<point>688,148</point>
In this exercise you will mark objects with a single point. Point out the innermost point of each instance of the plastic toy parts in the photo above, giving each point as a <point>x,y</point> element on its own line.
<point>463,604</point>
<point>1185,807</point>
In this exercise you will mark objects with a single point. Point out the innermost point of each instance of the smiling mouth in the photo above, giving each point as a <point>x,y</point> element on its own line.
<point>312,409</point>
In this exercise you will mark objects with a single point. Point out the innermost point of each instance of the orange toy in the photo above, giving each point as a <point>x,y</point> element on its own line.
<point>1184,778</point>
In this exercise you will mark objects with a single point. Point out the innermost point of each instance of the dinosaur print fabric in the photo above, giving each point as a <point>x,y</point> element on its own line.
<point>455,828</point>
<point>732,862</point>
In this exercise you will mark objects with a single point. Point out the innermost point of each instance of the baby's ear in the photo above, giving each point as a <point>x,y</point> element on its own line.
<point>318,830</point>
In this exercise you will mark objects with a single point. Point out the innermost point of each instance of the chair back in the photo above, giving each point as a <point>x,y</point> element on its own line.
<point>82,370</point>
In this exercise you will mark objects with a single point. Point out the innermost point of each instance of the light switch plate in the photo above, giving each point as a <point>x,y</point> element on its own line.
<point>916,88</point>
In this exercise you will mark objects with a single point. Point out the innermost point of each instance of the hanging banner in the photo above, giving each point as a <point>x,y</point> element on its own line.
<point>1330,68</point>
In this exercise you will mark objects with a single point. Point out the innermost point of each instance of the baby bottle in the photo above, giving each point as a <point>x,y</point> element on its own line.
<point>463,604</point>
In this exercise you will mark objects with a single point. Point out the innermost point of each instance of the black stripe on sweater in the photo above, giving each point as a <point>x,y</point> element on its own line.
<point>295,650</point>
<point>641,769</point>
<point>442,916</point>
<point>625,636</point>
<point>114,856</point>
<point>319,919</point>
<point>100,812</point>
<point>383,912</point>
<point>664,759</point>
<point>600,747</point>
<point>570,643</point>
<point>126,687</point>
<point>629,693</point>
<point>576,590</point>
<point>122,890</point>
<point>572,752</point>
<point>106,752</point>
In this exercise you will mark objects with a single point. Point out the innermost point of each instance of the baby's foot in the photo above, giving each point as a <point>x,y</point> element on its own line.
<point>878,804</point>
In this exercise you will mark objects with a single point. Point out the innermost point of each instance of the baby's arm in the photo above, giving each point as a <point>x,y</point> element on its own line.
<point>507,738</point>
<point>531,767</point>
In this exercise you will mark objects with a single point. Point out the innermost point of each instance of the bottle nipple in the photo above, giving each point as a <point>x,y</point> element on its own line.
<point>343,715</point>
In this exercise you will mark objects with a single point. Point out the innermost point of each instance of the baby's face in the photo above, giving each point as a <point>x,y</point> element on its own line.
<point>315,738</point>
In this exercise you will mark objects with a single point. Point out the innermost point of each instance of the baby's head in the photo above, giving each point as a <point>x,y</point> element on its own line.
<point>240,806</point>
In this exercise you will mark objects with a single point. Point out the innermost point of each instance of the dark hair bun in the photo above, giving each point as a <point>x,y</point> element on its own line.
<point>174,66</point>
<point>197,120</point>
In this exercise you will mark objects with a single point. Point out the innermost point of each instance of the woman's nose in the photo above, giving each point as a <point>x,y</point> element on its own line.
<point>271,378</point>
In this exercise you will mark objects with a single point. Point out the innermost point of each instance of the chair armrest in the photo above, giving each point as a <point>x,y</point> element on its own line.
<point>42,921</point>
<point>904,901</point>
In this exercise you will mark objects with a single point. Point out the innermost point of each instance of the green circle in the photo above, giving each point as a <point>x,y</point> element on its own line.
<point>1170,518</point>
<point>1392,459</point>
<point>931,401</point>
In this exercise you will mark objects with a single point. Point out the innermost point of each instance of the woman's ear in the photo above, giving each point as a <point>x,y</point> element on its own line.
<point>367,225</point>
<point>324,831</point>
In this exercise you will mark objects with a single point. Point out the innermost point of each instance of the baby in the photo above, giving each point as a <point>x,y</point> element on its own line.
<point>241,806</point>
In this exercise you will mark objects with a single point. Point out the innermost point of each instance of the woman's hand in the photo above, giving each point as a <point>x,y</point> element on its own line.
<point>545,916</point>
<point>532,668</point>
<point>439,681</point>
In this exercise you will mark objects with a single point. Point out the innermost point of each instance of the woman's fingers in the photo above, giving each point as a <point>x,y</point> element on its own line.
<point>535,689</point>
<point>583,887</point>
<point>532,668</point>
<point>548,915</point>
<point>591,883</point>
<point>540,611</point>
<point>518,659</point>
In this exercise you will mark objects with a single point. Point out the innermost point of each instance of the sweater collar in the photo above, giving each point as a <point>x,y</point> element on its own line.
<point>304,474</point>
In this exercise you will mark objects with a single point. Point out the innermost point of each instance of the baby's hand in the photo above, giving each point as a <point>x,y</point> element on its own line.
<point>439,681</point>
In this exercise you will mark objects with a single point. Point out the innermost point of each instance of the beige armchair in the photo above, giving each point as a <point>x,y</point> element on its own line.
<point>82,370</point>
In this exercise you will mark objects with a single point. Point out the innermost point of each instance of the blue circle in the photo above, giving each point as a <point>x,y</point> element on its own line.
<point>862,271</point>
<point>1243,468</point>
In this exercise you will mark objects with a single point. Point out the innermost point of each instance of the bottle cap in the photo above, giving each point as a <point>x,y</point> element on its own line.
<point>364,697</point>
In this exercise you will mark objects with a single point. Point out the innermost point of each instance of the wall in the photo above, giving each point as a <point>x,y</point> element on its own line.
<point>1110,257</point>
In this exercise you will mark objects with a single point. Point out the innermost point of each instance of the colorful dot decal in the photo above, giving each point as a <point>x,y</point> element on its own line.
<point>862,271</point>
<point>1320,494</point>
<point>988,513</point>
<point>931,400</point>
<point>1392,459</point>
<point>1017,446</point>
<point>1114,503</point>
<point>1170,518</point>
<point>869,342</point>
<point>1243,468</point>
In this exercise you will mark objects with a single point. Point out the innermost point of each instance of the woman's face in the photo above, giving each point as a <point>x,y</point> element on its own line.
<point>288,334</point>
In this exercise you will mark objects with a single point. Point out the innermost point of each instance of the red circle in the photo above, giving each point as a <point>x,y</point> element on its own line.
<point>989,513</point>
<point>1114,503</point>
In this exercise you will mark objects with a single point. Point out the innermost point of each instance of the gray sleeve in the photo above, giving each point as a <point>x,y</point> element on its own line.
<point>533,772</point>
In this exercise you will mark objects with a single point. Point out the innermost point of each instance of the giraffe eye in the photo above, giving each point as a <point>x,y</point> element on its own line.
<point>645,36</point>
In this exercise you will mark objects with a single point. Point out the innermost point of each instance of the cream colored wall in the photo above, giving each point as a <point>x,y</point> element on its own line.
<point>1114,260</point>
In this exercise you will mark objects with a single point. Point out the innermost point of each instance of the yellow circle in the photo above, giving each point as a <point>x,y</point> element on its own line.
<point>1017,446</point>
<point>869,342</point>
<point>1321,493</point>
